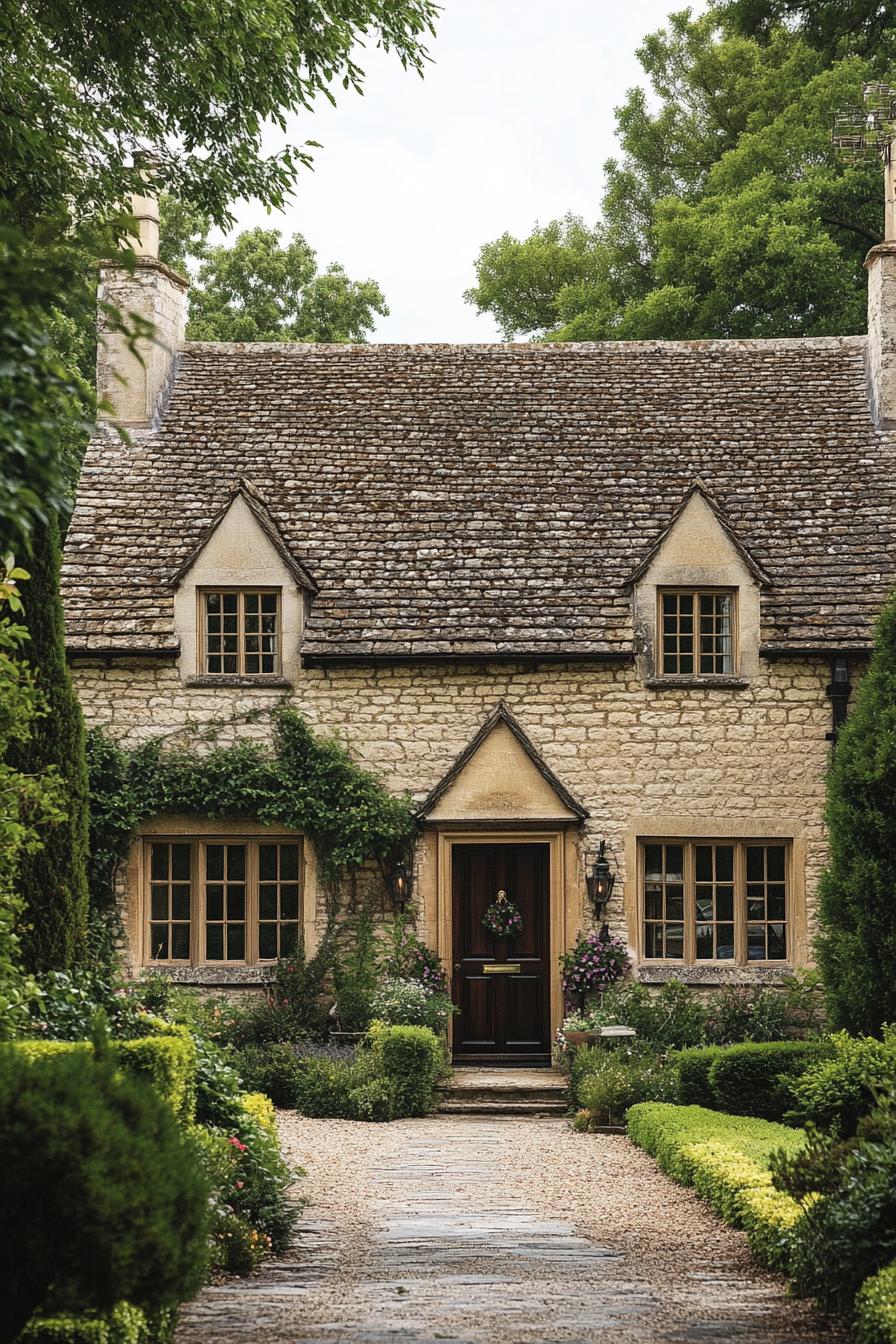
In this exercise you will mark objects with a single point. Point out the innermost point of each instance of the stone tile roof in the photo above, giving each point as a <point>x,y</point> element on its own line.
<point>496,499</point>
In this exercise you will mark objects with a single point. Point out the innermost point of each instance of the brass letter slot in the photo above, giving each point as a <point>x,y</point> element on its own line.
<point>502,968</point>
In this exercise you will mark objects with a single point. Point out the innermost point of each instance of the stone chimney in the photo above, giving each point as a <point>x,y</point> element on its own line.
<point>136,382</point>
<point>881,348</point>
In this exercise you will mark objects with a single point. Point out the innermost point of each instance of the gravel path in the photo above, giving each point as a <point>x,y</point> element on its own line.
<point>470,1231</point>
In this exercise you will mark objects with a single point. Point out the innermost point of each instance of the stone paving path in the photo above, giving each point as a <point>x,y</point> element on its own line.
<point>472,1231</point>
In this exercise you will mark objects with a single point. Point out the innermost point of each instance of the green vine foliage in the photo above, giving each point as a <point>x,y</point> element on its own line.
<point>305,782</point>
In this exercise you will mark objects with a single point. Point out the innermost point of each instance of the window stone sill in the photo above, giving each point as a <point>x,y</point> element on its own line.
<point>255,683</point>
<point>697,683</point>
<point>714,974</point>
<point>212,976</point>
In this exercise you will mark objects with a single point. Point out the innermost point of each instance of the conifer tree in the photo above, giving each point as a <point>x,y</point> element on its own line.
<point>52,881</point>
<point>857,944</point>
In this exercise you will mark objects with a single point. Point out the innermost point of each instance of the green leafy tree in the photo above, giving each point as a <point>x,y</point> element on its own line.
<point>258,290</point>
<point>87,87</point>
<point>835,27</point>
<point>183,233</point>
<point>728,214</point>
<point>856,947</point>
<point>29,803</point>
<point>52,879</point>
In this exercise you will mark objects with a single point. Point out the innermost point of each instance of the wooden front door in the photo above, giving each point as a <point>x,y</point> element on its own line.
<point>504,1015</point>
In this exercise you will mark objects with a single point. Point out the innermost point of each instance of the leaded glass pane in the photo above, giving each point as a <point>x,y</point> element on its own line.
<point>180,942</point>
<point>267,941</point>
<point>158,941</point>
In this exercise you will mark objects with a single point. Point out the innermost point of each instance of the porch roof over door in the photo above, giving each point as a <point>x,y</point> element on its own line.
<point>500,777</point>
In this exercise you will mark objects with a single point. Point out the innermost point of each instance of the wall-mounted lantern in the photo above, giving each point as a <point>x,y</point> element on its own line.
<point>599,882</point>
<point>398,875</point>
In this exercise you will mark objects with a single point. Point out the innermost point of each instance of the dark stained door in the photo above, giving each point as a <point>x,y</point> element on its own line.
<point>505,1015</point>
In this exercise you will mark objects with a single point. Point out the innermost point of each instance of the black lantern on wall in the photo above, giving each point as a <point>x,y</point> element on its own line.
<point>599,882</point>
<point>401,879</point>
<point>398,875</point>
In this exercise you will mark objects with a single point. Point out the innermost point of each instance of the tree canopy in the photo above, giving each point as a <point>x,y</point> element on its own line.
<point>259,289</point>
<point>728,213</point>
<point>88,88</point>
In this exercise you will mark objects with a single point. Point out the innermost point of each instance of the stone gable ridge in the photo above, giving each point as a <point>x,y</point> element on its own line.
<point>501,715</point>
<point>473,349</point>
<point>482,502</point>
<point>699,489</point>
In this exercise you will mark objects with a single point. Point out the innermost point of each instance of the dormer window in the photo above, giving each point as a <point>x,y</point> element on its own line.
<point>696,627</point>
<point>240,632</point>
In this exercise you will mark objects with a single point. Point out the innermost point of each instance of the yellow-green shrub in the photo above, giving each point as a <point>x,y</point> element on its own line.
<point>411,1060</point>
<point>43,1049</point>
<point>167,1061</point>
<point>875,1321</point>
<point>725,1158</point>
<point>261,1109</point>
<point>124,1324</point>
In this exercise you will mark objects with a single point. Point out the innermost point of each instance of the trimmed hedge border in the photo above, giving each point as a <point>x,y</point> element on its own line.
<point>752,1079</point>
<point>693,1066</point>
<point>875,1321</point>
<point>725,1158</point>
<point>749,1079</point>
<point>166,1061</point>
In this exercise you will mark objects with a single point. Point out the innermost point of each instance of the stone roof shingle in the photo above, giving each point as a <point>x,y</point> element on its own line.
<point>494,500</point>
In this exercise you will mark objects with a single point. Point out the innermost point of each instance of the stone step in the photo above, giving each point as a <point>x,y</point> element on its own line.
<point>505,1108</point>
<point>517,1091</point>
<point>540,1095</point>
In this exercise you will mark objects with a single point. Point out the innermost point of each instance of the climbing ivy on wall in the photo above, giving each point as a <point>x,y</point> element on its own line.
<point>305,782</point>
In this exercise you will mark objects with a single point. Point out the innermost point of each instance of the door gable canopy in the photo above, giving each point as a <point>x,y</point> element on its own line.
<point>498,776</point>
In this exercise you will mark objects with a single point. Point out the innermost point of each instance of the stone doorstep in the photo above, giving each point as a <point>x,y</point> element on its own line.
<point>469,1079</point>
<point>529,1109</point>
<point>507,1092</point>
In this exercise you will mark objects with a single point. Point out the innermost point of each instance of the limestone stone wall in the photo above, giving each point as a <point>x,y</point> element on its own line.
<point>745,762</point>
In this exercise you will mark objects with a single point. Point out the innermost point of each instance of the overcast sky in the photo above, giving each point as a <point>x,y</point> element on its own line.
<point>510,126</point>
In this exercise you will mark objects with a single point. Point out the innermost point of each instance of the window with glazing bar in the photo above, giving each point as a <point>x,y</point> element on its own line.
<point>240,632</point>
<point>696,633</point>
<point>715,900</point>
<point>222,900</point>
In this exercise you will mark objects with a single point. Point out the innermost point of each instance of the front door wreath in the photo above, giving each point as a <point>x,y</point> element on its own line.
<point>502,918</point>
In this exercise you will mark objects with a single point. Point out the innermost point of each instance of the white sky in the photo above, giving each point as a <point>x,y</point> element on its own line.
<point>511,125</point>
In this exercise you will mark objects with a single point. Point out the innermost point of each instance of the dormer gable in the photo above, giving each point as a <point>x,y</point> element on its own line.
<point>698,531</point>
<point>242,557</point>
<point>697,565</point>
<point>232,525</point>
<point>500,775</point>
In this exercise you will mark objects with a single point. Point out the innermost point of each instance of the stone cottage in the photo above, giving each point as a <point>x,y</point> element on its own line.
<point>565,595</point>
